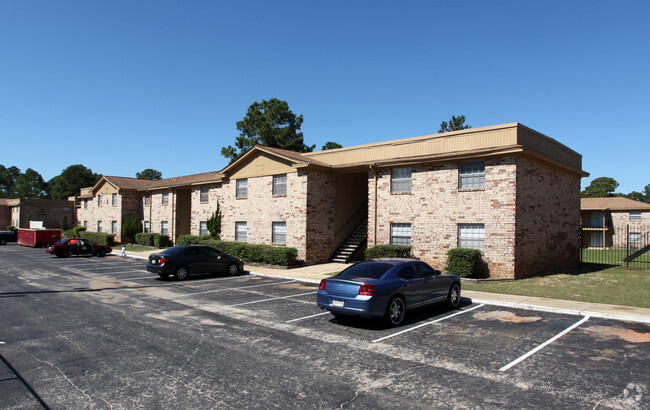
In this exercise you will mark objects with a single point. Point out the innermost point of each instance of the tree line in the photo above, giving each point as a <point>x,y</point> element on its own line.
<point>606,187</point>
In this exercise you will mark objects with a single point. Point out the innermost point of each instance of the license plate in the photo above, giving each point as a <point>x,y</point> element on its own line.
<point>337,303</point>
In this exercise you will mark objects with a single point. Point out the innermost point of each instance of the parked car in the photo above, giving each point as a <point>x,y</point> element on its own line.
<point>78,246</point>
<point>386,288</point>
<point>8,236</point>
<point>182,261</point>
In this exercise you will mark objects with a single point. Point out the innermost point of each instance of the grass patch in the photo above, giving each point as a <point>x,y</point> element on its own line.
<point>612,286</point>
<point>137,248</point>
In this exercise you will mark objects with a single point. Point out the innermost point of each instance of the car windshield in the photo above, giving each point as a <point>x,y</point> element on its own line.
<point>371,270</point>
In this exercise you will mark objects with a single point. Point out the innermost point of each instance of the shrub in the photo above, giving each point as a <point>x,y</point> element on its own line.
<point>272,255</point>
<point>145,239</point>
<point>189,240</point>
<point>161,241</point>
<point>465,263</point>
<point>99,237</point>
<point>389,251</point>
<point>214,223</point>
<point>130,227</point>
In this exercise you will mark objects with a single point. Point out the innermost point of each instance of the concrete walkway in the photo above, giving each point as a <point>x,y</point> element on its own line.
<point>314,274</point>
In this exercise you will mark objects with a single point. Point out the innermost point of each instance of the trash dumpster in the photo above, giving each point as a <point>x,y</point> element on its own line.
<point>38,238</point>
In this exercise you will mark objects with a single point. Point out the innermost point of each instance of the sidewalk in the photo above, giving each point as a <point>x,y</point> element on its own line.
<point>314,274</point>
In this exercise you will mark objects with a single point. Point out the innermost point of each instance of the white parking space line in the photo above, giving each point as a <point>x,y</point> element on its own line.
<point>543,345</point>
<point>307,317</point>
<point>426,324</point>
<point>270,299</point>
<point>237,288</point>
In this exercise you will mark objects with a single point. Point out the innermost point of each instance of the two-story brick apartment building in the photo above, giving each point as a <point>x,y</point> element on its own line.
<point>614,222</point>
<point>507,190</point>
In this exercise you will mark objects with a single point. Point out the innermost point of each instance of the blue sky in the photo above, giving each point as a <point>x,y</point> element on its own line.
<point>120,86</point>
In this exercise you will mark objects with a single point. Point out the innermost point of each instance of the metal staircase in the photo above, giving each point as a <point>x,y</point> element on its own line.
<point>352,245</point>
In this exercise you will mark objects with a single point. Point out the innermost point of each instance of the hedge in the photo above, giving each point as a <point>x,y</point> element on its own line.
<point>99,237</point>
<point>465,263</point>
<point>145,239</point>
<point>272,255</point>
<point>161,241</point>
<point>388,251</point>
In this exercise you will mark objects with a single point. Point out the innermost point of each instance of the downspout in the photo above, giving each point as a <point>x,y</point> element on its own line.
<point>374,223</point>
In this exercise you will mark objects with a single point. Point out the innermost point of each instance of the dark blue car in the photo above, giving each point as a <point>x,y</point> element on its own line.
<point>386,288</point>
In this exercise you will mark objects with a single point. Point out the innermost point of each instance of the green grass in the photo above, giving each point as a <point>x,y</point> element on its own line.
<point>613,286</point>
<point>137,248</point>
<point>615,257</point>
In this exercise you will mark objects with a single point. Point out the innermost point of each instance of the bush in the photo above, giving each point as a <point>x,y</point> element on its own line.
<point>465,263</point>
<point>130,227</point>
<point>99,237</point>
<point>272,255</point>
<point>388,251</point>
<point>161,241</point>
<point>144,239</point>
<point>189,240</point>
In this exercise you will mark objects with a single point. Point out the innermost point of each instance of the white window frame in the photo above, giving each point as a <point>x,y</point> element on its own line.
<point>147,199</point>
<point>113,226</point>
<point>99,200</point>
<point>635,238</point>
<point>85,224</point>
<point>279,233</point>
<point>401,181</point>
<point>203,228</point>
<point>147,227</point>
<point>204,195</point>
<point>164,228</point>
<point>241,190</point>
<point>635,216</point>
<point>471,175</point>
<point>114,199</point>
<point>85,204</point>
<point>99,226</point>
<point>165,198</point>
<point>471,236</point>
<point>241,229</point>
<point>280,185</point>
<point>401,234</point>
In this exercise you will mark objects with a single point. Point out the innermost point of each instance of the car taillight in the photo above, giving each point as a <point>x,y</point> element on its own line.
<point>322,285</point>
<point>163,260</point>
<point>367,289</point>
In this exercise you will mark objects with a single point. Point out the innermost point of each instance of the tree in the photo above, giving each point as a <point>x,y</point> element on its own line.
<point>150,174</point>
<point>270,123</point>
<point>214,223</point>
<point>637,196</point>
<point>331,145</point>
<point>8,181</point>
<point>455,124</point>
<point>646,193</point>
<point>30,184</point>
<point>71,180</point>
<point>600,187</point>
<point>130,227</point>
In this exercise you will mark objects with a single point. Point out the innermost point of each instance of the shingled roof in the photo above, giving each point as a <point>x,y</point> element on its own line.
<point>614,203</point>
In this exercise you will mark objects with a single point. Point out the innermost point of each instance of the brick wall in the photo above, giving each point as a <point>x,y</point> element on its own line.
<point>620,220</point>
<point>319,227</point>
<point>203,211</point>
<point>436,206</point>
<point>156,213</point>
<point>548,218</point>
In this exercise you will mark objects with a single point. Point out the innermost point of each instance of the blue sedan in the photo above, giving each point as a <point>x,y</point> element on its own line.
<point>386,288</point>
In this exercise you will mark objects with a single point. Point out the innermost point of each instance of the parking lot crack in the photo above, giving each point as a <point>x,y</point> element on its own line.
<point>201,392</point>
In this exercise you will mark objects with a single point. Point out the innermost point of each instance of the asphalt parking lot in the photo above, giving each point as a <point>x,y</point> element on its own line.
<point>65,319</point>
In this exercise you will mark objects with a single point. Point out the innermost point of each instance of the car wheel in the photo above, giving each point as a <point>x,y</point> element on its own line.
<point>58,255</point>
<point>232,269</point>
<point>395,311</point>
<point>453,299</point>
<point>101,253</point>
<point>181,273</point>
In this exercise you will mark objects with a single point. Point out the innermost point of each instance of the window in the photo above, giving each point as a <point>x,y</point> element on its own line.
<point>164,228</point>
<point>242,188</point>
<point>99,226</point>
<point>147,227</point>
<point>400,181</point>
<point>99,201</point>
<point>279,233</point>
<point>147,199</point>
<point>85,204</point>
<point>240,231</point>
<point>203,228</point>
<point>635,215</point>
<point>86,224</point>
<point>472,175</point>
<point>205,194</point>
<point>165,198</point>
<point>471,236</point>
<point>113,226</point>
<point>280,185</point>
<point>400,234</point>
<point>635,238</point>
<point>114,199</point>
